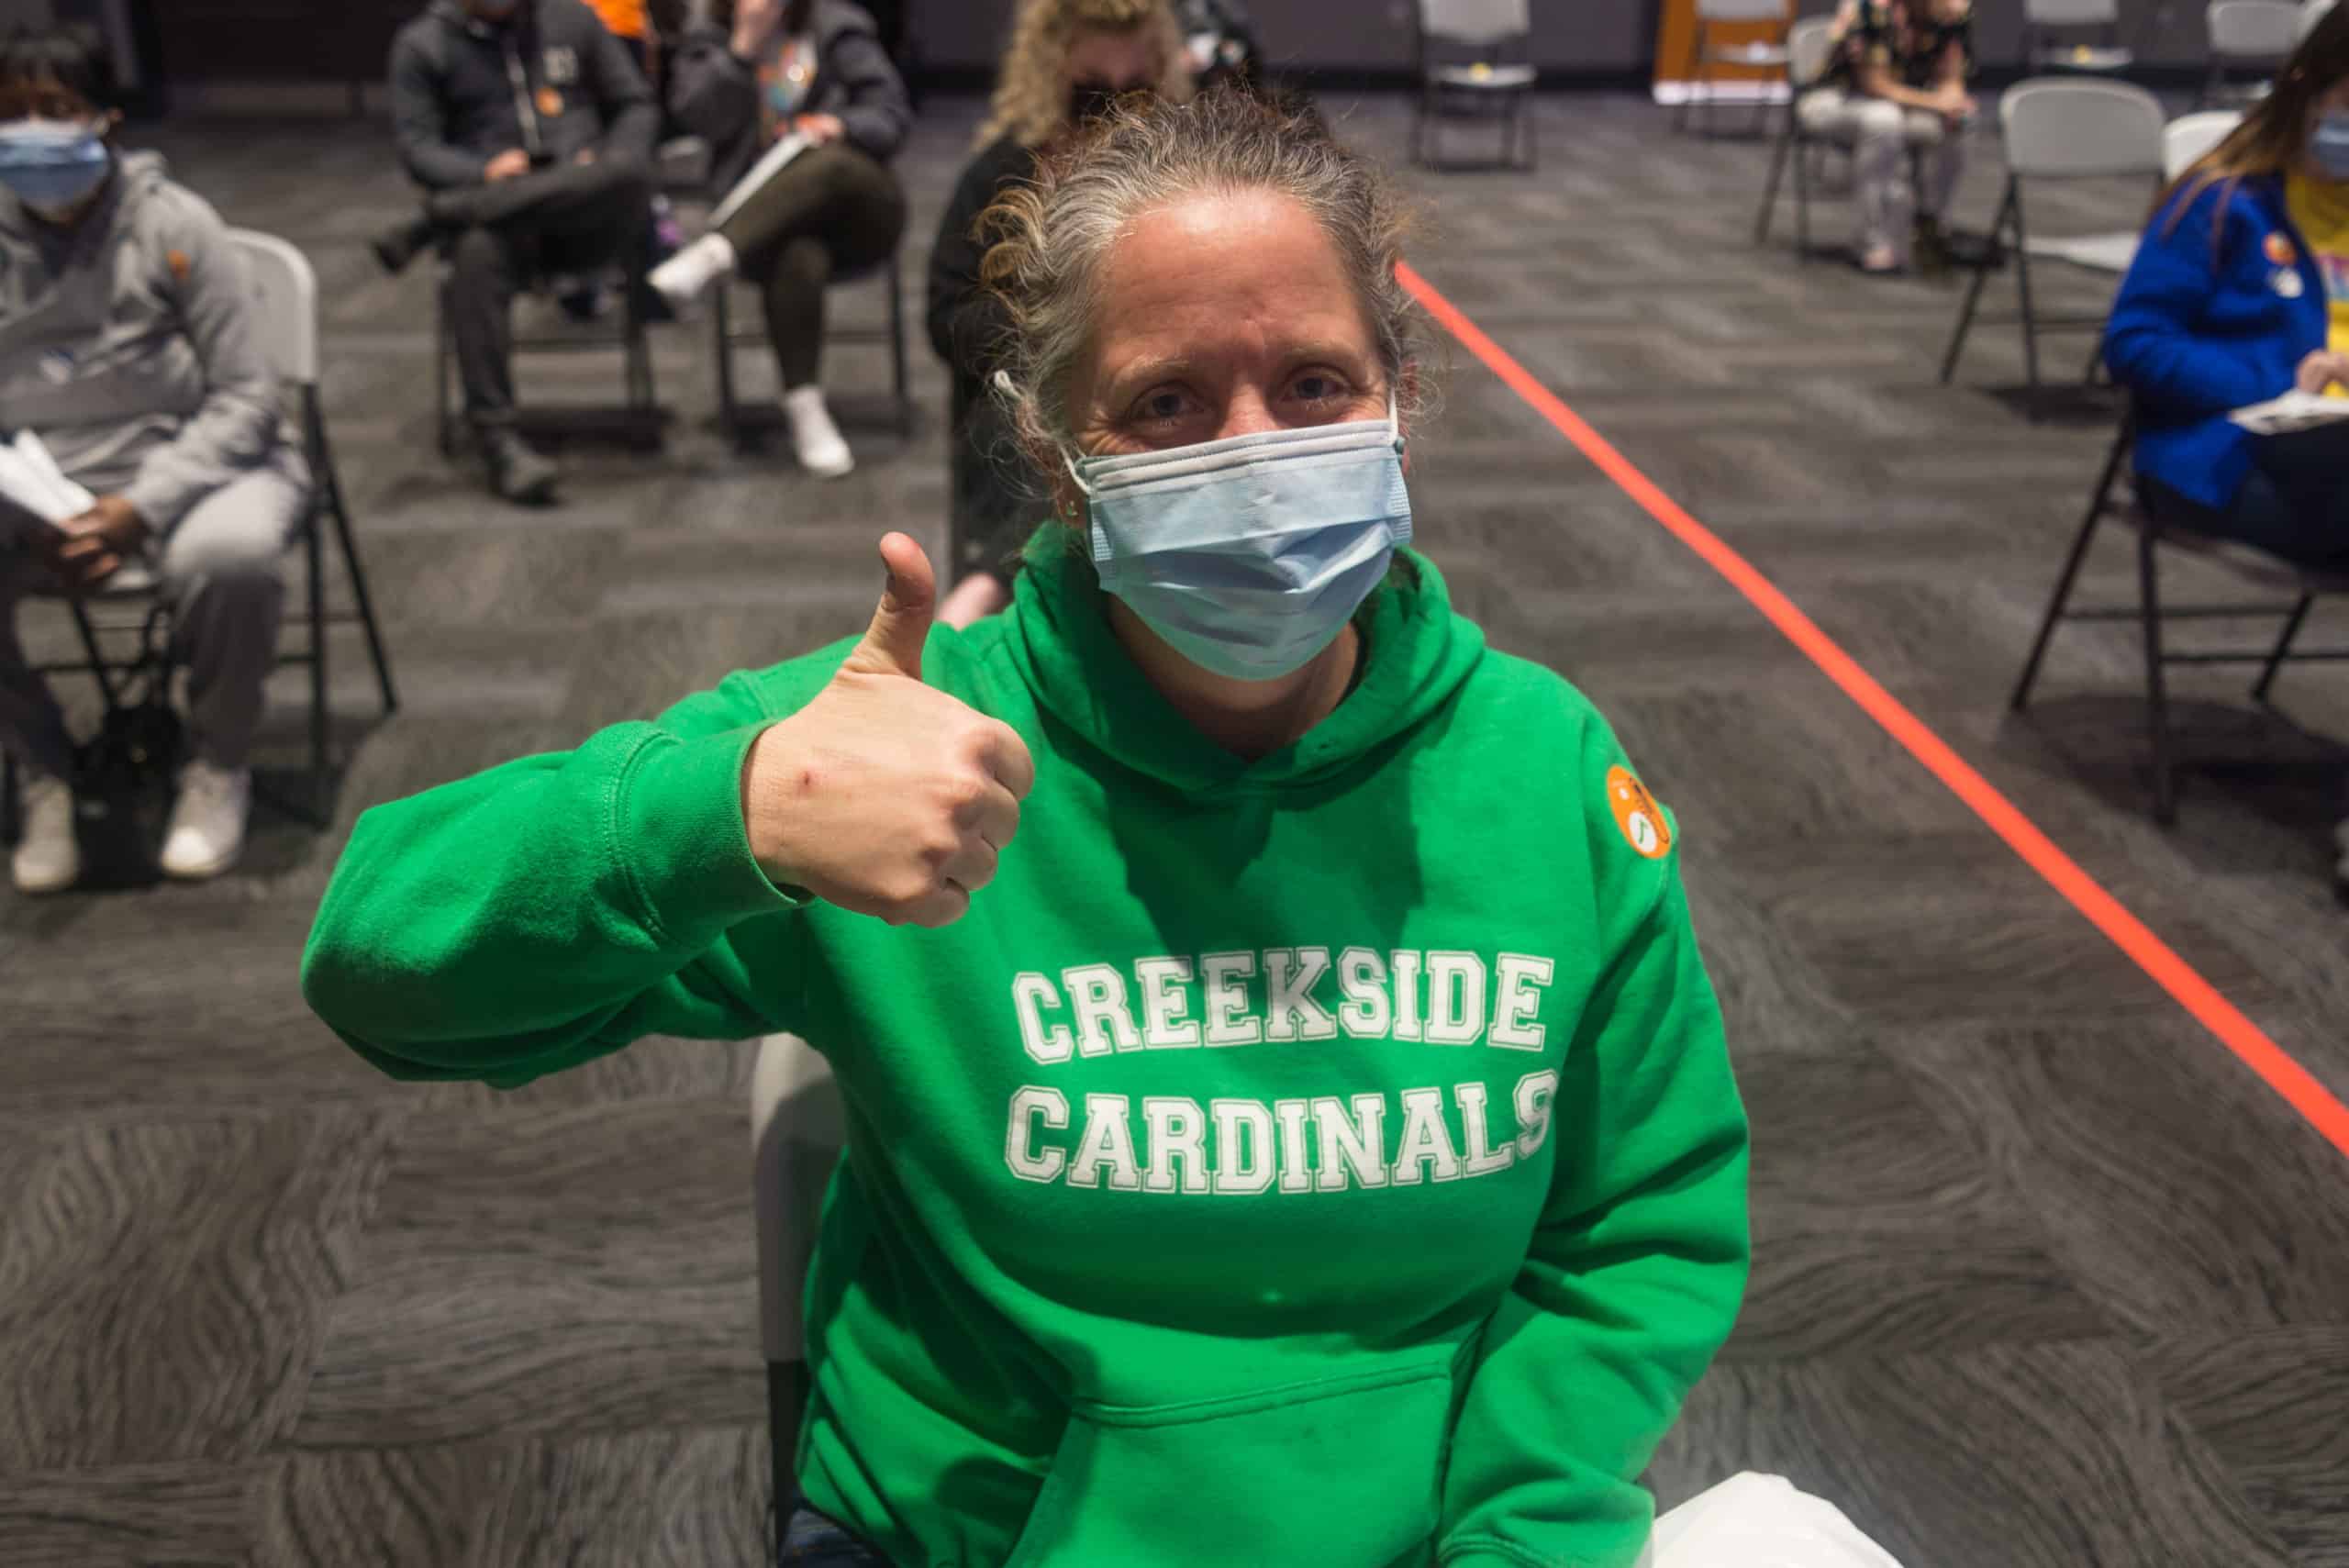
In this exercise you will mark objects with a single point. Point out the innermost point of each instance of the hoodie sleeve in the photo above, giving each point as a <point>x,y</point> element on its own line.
<point>879,113</point>
<point>552,910</point>
<point>2155,341</point>
<point>420,122</point>
<point>1637,1264</point>
<point>235,426</point>
<point>631,115</point>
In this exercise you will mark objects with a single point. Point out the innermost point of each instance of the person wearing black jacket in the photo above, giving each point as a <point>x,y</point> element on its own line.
<point>1068,58</point>
<point>754,73</point>
<point>531,131</point>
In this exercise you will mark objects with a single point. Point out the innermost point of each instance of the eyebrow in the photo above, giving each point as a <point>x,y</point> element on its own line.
<point>1161,367</point>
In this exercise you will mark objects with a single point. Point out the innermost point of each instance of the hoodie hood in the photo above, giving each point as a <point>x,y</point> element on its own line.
<point>1418,655</point>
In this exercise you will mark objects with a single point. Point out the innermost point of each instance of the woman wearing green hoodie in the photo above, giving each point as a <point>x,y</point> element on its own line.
<point>1311,1141</point>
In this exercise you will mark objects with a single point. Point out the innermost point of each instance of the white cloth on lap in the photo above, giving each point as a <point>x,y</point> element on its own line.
<point>1761,1521</point>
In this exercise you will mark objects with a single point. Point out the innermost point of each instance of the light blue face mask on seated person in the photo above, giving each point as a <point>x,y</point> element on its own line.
<point>1249,555</point>
<point>2329,148</point>
<point>51,164</point>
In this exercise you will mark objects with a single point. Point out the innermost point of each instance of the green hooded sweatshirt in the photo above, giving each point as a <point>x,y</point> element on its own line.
<point>1330,1159</point>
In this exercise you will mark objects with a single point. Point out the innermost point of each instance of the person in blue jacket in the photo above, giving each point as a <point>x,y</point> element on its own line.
<point>2239,293</point>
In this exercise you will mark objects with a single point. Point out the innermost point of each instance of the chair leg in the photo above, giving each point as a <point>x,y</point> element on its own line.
<point>347,538</point>
<point>897,373</point>
<point>2069,575</point>
<point>2030,316</point>
<point>1770,186</point>
<point>10,829</point>
<point>313,550</point>
<point>1974,290</point>
<point>2156,691</point>
<point>2283,648</point>
<point>729,413</point>
<point>445,430</point>
<point>1802,200</point>
<point>96,653</point>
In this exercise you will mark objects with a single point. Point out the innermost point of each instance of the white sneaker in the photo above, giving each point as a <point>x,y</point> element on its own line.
<point>686,276</point>
<point>49,856</point>
<point>817,439</point>
<point>207,831</point>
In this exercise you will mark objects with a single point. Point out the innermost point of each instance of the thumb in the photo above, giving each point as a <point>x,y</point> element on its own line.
<point>893,643</point>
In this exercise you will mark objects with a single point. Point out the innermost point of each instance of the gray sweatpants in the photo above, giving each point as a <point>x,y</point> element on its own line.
<point>221,570</point>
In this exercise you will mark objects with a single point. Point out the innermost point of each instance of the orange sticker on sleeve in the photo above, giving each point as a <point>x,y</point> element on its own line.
<point>549,103</point>
<point>178,262</point>
<point>2280,250</point>
<point>1644,825</point>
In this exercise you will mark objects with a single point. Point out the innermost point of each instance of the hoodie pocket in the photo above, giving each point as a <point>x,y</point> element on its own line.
<point>1343,1471</point>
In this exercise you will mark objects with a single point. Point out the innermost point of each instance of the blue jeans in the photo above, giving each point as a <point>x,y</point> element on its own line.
<point>817,1542</point>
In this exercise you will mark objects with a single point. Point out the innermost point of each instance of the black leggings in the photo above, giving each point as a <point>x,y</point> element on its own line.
<point>830,211</point>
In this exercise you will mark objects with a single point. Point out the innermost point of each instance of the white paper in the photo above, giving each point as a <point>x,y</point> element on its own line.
<point>30,478</point>
<point>2296,410</point>
<point>765,168</point>
<point>1761,1521</point>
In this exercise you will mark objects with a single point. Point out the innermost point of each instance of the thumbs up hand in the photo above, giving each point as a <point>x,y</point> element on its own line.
<point>884,795</point>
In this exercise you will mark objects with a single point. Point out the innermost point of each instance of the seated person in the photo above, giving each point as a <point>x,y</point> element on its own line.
<point>531,131</point>
<point>2239,292</point>
<point>1897,81</point>
<point>760,70</point>
<point>1068,60</point>
<point>1288,1121</point>
<point>129,344</point>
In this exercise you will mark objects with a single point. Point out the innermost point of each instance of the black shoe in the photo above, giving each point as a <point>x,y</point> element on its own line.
<point>517,472</point>
<point>395,248</point>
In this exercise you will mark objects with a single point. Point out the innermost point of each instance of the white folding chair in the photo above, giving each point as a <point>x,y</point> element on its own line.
<point>286,293</point>
<point>799,1125</point>
<point>1476,57</point>
<point>1706,53</point>
<point>2261,34</point>
<point>2061,128</point>
<point>2186,140</point>
<point>2049,24</point>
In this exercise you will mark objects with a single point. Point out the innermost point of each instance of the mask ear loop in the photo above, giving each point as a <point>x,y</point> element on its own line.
<point>1002,383</point>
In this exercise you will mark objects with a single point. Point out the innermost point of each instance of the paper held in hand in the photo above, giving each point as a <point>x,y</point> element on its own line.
<point>30,478</point>
<point>2295,410</point>
<point>765,168</point>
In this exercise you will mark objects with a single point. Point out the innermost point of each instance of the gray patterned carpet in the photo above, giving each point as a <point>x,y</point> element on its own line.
<point>2045,1276</point>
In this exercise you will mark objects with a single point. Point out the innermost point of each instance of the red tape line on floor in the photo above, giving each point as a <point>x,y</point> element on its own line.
<point>2299,1087</point>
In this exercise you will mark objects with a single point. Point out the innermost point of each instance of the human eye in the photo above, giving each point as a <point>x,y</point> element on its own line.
<point>1164,408</point>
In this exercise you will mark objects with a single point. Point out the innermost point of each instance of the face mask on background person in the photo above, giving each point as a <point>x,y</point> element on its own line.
<point>2329,148</point>
<point>1249,555</point>
<point>50,165</point>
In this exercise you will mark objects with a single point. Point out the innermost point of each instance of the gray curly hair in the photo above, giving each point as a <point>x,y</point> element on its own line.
<point>1052,235</point>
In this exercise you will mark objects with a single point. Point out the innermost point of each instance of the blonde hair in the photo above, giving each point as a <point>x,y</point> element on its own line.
<point>1052,237</point>
<point>1031,93</point>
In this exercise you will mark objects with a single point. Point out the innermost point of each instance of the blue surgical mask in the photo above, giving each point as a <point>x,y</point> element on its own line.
<point>1248,556</point>
<point>51,164</point>
<point>2329,148</point>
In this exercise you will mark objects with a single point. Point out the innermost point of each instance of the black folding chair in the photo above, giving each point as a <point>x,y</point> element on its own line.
<point>2114,499</point>
<point>727,337</point>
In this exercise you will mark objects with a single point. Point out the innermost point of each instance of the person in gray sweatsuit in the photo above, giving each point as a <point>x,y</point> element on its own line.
<point>129,344</point>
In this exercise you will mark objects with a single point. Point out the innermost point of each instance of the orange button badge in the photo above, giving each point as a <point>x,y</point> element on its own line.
<point>549,103</point>
<point>1644,825</point>
<point>2280,250</point>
